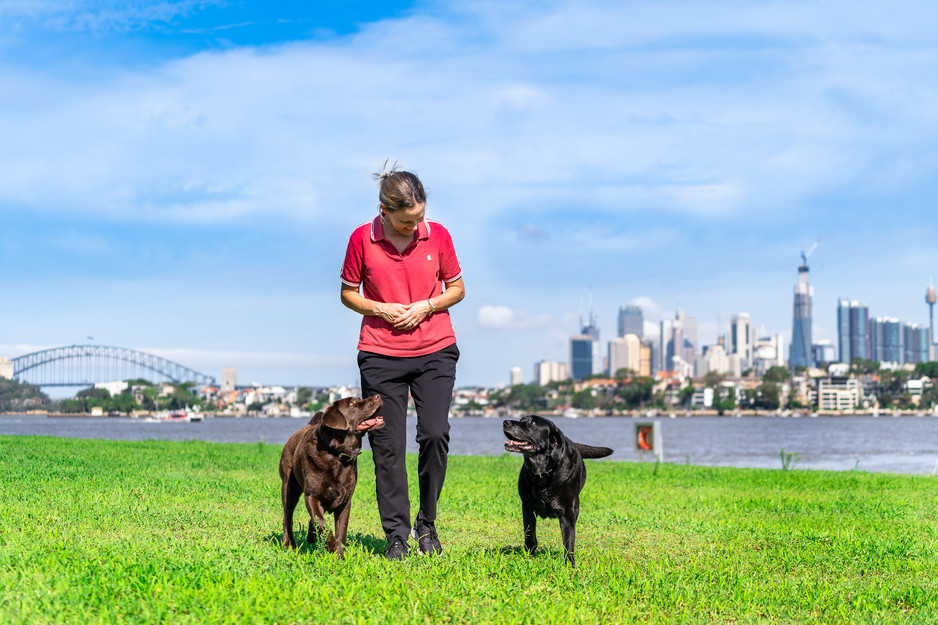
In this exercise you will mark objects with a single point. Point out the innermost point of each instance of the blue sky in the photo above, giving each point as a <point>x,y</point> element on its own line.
<point>182,177</point>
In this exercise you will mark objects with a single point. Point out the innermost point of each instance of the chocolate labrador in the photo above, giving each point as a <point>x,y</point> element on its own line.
<point>552,476</point>
<point>321,461</point>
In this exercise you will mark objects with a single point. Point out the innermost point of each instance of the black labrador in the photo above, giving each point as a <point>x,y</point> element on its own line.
<point>552,476</point>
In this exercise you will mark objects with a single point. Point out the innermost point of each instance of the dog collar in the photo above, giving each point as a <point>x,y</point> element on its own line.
<point>346,458</point>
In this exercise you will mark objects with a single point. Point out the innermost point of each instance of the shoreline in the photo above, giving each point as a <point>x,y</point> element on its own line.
<point>644,414</point>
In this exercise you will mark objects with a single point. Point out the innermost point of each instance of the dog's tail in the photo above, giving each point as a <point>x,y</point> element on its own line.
<point>588,451</point>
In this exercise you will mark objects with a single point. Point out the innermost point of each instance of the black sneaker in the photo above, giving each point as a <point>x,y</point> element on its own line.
<point>397,549</point>
<point>425,534</point>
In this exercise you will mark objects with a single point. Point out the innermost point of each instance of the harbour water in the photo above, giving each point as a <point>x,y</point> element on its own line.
<point>905,444</point>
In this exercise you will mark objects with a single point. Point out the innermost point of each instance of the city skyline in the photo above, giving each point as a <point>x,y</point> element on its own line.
<point>182,179</point>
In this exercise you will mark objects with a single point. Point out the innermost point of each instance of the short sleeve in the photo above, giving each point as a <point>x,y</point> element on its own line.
<point>449,264</point>
<point>354,260</point>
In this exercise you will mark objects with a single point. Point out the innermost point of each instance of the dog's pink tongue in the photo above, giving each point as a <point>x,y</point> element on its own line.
<point>368,424</point>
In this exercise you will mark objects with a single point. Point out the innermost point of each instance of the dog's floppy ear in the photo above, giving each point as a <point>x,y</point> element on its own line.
<point>335,418</point>
<point>554,437</point>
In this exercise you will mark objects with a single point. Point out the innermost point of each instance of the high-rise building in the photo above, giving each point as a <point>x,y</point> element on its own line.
<point>547,371</point>
<point>677,342</point>
<point>631,321</point>
<point>915,338</point>
<point>646,359</point>
<point>742,339</point>
<point>768,352</point>
<point>715,360</point>
<point>689,324</point>
<point>853,330</point>
<point>516,376</point>
<point>585,351</point>
<point>886,340</point>
<point>801,354</point>
<point>662,360</point>
<point>824,352</point>
<point>625,353</point>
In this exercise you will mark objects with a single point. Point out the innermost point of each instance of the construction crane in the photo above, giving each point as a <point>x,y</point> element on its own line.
<point>804,255</point>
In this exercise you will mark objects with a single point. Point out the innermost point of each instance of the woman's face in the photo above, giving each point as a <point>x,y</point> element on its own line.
<point>405,220</point>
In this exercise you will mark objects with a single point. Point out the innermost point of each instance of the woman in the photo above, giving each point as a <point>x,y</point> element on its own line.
<point>395,271</point>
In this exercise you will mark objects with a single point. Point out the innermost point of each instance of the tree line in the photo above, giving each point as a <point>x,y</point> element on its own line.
<point>631,391</point>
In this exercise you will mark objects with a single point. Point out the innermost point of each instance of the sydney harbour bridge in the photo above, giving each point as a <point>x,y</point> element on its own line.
<point>85,365</point>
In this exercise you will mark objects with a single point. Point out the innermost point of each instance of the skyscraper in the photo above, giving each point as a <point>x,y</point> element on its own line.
<point>801,353</point>
<point>886,340</point>
<point>625,353</point>
<point>853,330</point>
<point>742,339</point>
<point>916,343</point>
<point>631,321</point>
<point>585,354</point>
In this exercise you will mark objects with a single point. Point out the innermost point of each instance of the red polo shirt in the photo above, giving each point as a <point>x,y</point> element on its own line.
<point>387,275</point>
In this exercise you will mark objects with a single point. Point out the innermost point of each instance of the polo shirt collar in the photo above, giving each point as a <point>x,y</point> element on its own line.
<point>377,229</point>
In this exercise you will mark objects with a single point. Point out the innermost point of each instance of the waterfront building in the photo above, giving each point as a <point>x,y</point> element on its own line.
<point>915,338</point>
<point>113,388</point>
<point>547,371</point>
<point>853,330</point>
<point>801,354</point>
<point>229,379</point>
<point>742,339</point>
<point>886,343</point>
<point>839,393</point>
<point>631,321</point>
<point>702,398</point>
<point>824,352</point>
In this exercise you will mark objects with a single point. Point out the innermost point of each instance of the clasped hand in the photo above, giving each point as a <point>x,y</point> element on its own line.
<point>403,317</point>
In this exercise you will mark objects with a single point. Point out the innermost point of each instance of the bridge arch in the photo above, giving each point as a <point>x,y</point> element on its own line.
<point>84,365</point>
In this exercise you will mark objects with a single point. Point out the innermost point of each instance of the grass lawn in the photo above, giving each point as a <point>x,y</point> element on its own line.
<point>155,531</point>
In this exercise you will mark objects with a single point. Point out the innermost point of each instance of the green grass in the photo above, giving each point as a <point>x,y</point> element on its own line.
<point>154,532</point>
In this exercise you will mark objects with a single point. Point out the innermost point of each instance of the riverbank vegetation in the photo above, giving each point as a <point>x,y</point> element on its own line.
<point>21,397</point>
<point>140,395</point>
<point>98,531</point>
<point>626,391</point>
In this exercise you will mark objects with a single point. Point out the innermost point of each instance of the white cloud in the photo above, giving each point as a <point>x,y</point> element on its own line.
<point>498,317</point>
<point>504,318</point>
<point>223,135</point>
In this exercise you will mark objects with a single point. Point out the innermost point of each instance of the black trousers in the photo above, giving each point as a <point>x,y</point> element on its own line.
<point>429,380</point>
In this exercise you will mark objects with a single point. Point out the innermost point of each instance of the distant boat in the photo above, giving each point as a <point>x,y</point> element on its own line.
<point>180,416</point>
<point>176,416</point>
